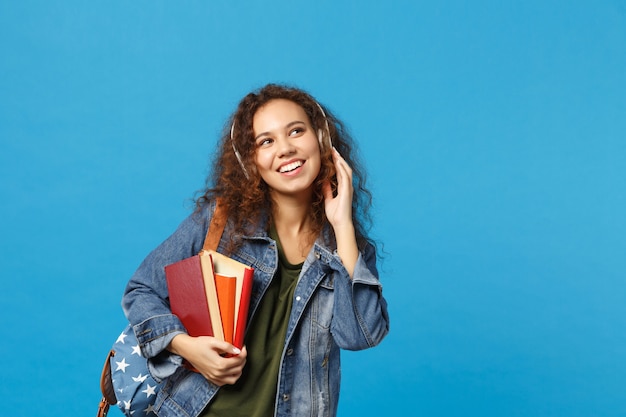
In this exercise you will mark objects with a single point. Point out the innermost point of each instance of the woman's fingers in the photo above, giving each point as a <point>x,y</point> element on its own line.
<point>344,172</point>
<point>339,207</point>
<point>218,361</point>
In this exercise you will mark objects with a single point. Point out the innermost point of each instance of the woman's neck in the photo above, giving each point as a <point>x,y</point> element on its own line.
<point>291,214</point>
<point>293,225</point>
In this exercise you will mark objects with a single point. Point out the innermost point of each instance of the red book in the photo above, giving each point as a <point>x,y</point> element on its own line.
<point>244,275</point>
<point>244,305</point>
<point>188,300</point>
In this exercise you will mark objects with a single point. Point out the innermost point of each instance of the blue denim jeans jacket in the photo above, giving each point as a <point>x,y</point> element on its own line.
<point>330,312</point>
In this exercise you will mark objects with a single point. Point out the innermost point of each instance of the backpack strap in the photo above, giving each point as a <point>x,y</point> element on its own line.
<point>216,227</point>
<point>106,386</point>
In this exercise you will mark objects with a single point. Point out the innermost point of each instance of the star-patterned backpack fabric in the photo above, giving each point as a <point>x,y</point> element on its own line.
<point>135,389</point>
<point>126,380</point>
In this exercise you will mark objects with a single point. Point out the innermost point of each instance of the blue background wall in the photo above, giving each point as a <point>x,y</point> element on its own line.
<point>494,136</point>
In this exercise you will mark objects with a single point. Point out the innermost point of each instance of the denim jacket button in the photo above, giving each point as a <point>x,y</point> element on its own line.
<point>298,298</point>
<point>289,352</point>
<point>285,397</point>
<point>318,255</point>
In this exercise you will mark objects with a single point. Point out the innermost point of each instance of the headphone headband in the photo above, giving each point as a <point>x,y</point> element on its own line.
<point>237,155</point>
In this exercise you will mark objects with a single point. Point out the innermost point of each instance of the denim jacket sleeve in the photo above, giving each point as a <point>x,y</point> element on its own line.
<point>146,303</point>
<point>359,304</point>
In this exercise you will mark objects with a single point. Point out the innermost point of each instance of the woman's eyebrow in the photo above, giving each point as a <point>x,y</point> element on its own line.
<point>287,126</point>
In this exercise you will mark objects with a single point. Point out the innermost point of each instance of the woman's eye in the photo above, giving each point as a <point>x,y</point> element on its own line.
<point>264,142</point>
<point>296,131</point>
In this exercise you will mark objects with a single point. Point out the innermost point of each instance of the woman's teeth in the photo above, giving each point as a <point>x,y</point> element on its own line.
<point>290,167</point>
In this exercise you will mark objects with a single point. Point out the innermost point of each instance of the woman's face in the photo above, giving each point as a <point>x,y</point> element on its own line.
<point>287,149</point>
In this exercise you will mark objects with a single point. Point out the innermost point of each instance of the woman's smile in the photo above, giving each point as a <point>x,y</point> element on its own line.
<point>290,167</point>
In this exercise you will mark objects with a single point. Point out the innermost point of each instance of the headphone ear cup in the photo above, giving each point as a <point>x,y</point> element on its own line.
<point>320,137</point>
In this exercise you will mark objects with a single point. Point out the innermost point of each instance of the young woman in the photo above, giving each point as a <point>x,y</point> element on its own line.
<point>285,172</point>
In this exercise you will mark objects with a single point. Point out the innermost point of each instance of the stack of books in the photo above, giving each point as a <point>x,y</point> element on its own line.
<point>210,294</point>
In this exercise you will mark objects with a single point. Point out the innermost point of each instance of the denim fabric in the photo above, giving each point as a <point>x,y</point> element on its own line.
<point>330,312</point>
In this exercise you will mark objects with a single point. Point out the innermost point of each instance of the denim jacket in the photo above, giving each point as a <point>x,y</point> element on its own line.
<point>330,312</point>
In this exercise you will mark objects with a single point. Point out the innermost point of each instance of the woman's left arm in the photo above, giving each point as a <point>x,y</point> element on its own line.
<point>339,213</point>
<point>360,317</point>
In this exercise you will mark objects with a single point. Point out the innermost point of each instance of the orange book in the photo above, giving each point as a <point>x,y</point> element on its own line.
<point>244,275</point>
<point>211,295</point>
<point>226,295</point>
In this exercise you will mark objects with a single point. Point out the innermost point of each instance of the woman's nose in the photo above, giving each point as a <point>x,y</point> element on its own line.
<point>285,146</point>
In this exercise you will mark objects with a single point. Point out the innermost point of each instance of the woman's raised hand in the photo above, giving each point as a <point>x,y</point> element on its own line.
<point>339,208</point>
<point>339,213</point>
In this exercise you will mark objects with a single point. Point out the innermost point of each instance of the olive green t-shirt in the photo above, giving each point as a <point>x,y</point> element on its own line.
<point>254,394</point>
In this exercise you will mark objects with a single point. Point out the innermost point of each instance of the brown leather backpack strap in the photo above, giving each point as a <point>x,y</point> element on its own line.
<point>216,227</point>
<point>106,386</point>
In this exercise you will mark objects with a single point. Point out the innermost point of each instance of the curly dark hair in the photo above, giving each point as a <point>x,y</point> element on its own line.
<point>245,194</point>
